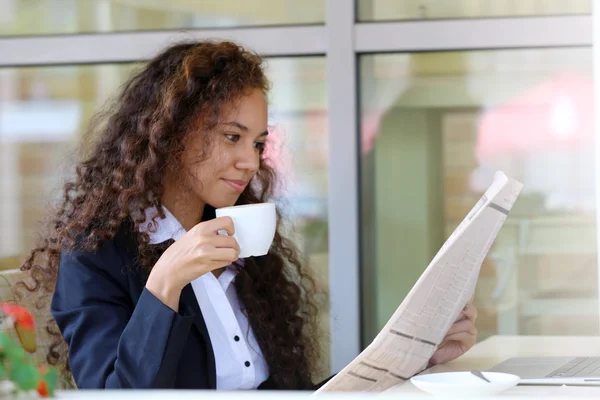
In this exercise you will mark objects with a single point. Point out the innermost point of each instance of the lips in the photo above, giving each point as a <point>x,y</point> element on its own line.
<point>236,184</point>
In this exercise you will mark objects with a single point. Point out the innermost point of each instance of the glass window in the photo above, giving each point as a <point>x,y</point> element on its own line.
<point>44,17</point>
<point>390,10</point>
<point>45,110</point>
<point>435,128</point>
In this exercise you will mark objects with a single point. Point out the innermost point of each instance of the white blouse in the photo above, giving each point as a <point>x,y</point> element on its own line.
<point>238,358</point>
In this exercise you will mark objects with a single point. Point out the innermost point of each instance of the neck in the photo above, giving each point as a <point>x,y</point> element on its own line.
<point>187,209</point>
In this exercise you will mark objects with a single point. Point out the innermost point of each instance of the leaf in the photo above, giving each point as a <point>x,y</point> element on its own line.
<point>10,350</point>
<point>5,341</point>
<point>3,374</point>
<point>27,338</point>
<point>25,376</point>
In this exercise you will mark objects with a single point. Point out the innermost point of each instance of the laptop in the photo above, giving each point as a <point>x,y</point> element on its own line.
<point>552,370</point>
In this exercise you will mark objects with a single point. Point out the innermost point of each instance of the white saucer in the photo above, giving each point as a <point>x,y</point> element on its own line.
<point>464,383</point>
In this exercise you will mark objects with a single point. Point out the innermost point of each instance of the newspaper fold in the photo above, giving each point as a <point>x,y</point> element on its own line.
<point>415,330</point>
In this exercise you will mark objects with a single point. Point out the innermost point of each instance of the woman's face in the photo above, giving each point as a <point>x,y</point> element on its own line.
<point>235,152</point>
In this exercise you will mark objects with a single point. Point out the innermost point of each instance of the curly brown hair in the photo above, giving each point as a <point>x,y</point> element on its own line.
<point>133,141</point>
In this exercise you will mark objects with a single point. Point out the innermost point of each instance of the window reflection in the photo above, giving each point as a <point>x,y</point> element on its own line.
<point>435,128</point>
<point>44,17</point>
<point>385,10</point>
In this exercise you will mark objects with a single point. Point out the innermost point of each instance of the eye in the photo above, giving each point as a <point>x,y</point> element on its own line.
<point>260,146</point>
<point>232,137</point>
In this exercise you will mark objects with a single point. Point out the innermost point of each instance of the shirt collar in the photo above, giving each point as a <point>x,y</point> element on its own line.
<point>161,229</point>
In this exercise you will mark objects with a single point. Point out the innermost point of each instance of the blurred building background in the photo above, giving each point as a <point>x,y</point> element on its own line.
<point>391,117</point>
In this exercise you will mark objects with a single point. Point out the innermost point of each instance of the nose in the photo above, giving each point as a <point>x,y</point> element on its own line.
<point>248,159</point>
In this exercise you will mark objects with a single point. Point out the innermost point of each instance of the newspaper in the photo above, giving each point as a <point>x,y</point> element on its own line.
<point>416,329</point>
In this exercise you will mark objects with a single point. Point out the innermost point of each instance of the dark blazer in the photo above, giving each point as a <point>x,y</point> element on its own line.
<point>119,334</point>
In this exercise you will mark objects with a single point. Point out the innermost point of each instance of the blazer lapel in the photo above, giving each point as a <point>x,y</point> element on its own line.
<point>188,304</point>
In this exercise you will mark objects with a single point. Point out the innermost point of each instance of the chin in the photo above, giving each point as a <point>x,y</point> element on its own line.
<point>220,203</point>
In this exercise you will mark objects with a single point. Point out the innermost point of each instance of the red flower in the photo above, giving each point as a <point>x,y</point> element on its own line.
<point>23,323</point>
<point>42,388</point>
<point>21,315</point>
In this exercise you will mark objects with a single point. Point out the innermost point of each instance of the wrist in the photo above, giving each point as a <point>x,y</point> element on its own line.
<point>164,289</point>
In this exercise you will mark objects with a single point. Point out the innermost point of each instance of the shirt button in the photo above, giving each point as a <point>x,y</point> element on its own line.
<point>236,338</point>
<point>247,363</point>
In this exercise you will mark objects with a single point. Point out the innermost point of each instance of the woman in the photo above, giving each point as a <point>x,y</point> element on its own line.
<point>145,293</point>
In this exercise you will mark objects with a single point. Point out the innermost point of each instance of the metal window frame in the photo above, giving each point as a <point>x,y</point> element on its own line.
<point>137,46</point>
<point>596,91</point>
<point>474,34</point>
<point>341,39</point>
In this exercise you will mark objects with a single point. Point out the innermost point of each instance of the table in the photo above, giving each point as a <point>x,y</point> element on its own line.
<point>482,356</point>
<point>495,349</point>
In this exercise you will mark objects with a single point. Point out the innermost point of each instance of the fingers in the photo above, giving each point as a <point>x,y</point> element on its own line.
<point>223,242</point>
<point>219,248</point>
<point>466,325</point>
<point>470,312</point>
<point>468,339</point>
<point>213,226</point>
<point>227,255</point>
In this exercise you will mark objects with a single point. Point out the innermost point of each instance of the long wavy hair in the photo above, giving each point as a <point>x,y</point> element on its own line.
<point>139,134</point>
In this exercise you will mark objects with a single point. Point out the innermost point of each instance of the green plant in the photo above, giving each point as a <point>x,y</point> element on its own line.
<point>15,364</point>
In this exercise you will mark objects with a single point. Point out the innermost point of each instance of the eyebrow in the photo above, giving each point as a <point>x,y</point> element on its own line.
<point>243,127</point>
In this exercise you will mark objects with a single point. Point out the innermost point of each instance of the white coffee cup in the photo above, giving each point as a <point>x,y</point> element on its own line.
<point>254,227</point>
